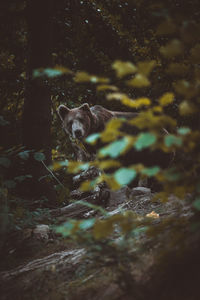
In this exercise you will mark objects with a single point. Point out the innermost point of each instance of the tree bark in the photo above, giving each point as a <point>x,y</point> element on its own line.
<point>36,126</point>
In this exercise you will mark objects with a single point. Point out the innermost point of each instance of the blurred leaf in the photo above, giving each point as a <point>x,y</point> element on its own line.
<point>24,154</point>
<point>186,108</point>
<point>177,69</point>
<point>114,149</point>
<point>151,171</point>
<point>144,140</point>
<point>39,156</point>
<point>104,87</point>
<point>22,177</point>
<point>139,81</point>
<point>183,130</point>
<point>102,229</point>
<point>173,48</point>
<point>92,138</point>
<point>171,140</point>
<point>137,103</point>
<point>165,28</point>
<point>166,99</point>
<point>85,77</point>
<point>185,88</point>
<point>124,175</point>
<point>196,203</point>
<point>57,165</point>
<point>5,162</point>
<point>108,163</point>
<point>86,224</point>
<point>123,68</point>
<point>145,67</point>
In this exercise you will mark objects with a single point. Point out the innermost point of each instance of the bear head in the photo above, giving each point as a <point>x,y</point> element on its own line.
<point>77,122</point>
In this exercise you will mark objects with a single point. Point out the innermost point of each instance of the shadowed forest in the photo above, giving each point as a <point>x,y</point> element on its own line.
<point>114,214</point>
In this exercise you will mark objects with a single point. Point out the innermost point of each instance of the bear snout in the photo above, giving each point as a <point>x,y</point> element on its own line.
<point>78,134</point>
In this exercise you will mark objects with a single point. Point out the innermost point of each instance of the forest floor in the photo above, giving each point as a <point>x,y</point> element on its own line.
<point>46,266</point>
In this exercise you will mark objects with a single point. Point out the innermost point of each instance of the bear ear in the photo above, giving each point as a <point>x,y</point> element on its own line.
<point>63,111</point>
<point>85,107</point>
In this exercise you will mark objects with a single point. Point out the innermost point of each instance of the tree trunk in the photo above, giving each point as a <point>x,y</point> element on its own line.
<point>36,127</point>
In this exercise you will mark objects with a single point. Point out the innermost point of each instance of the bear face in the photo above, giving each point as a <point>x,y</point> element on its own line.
<point>76,121</point>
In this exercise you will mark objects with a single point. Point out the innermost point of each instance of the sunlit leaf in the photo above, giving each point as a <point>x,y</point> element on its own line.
<point>151,171</point>
<point>123,68</point>
<point>183,130</point>
<point>86,224</point>
<point>104,87</point>
<point>139,81</point>
<point>114,149</point>
<point>125,175</point>
<point>85,77</point>
<point>137,103</point>
<point>92,138</point>
<point>166,99</point>
<point>171,140</point>
<point>109,163</point>
<point>144,140</point>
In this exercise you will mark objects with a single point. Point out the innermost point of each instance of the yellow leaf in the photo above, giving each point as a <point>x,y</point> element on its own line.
<point>109,163</point>
<point>173,48</point>
<point>85,77</point>
<point>145,68</point>
<point>137,103</point>
<point>185,88</point>
<point>104,87</point>
<point>186,108</point>
<point>102,229</point>
<point>139,81</point>
<point>166,99</point>
<point>123,68</point>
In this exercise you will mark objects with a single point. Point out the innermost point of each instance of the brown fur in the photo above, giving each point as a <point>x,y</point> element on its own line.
<point>88,119</point>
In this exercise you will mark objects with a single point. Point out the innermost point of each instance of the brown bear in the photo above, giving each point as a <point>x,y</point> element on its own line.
<point>82,121</point>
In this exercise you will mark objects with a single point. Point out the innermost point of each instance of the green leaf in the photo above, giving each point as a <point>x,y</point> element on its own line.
<point>86,224</point>
<point>114,149</point>
<point>24,154</point>
<point>5,162</point>
<point>39,156</point>
<point>171,140</point>
<point>144,140</point>
<point>65,229</point>
<point>196,203</point>
<point>124,175</point>
<point>92,138</point>
<point>151,171</point>
<point>184,130</point>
